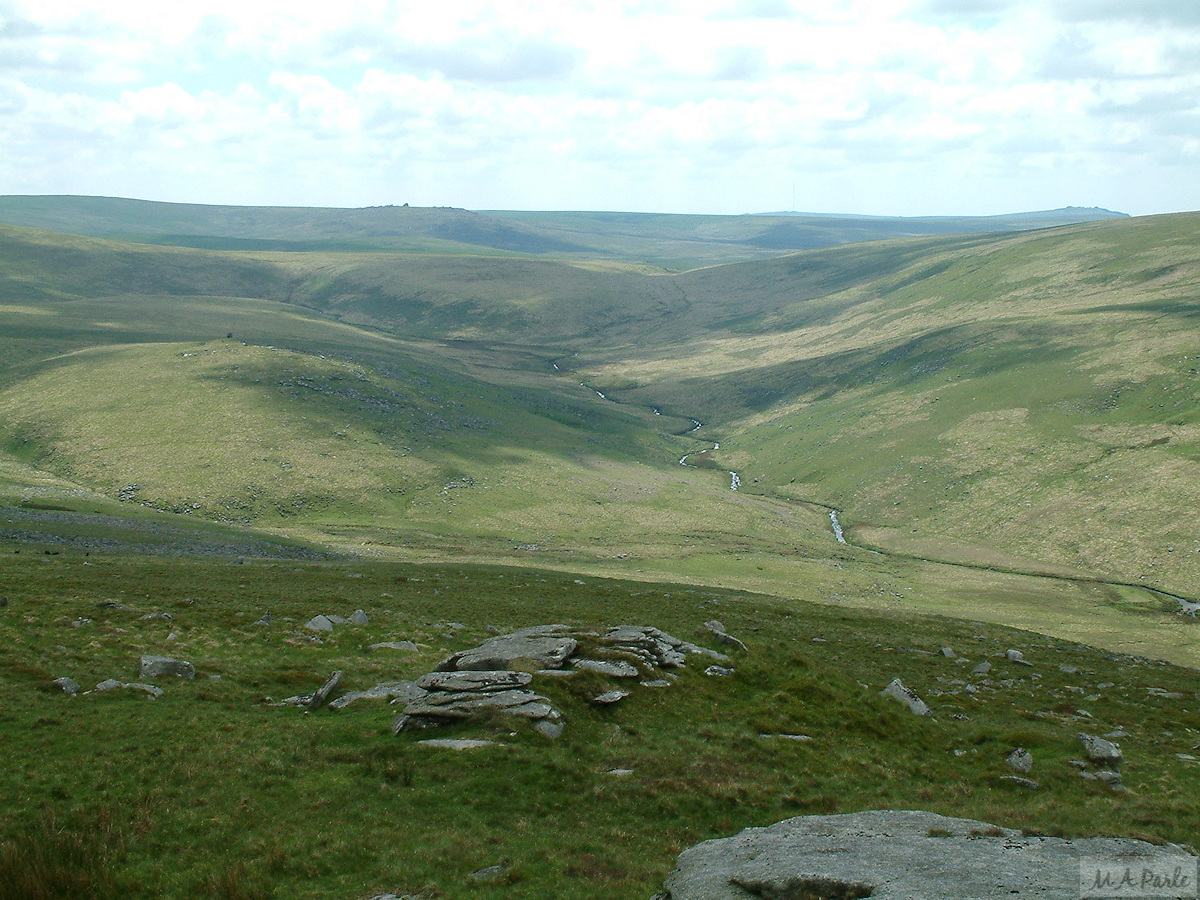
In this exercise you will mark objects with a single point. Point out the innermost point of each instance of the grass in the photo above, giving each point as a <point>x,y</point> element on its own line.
<point>1020,402</point>
<point>678,241</point>
<point>1004,423</point>
<point>353,810</point>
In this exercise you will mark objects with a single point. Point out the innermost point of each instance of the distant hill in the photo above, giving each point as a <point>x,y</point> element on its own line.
<point>672,241</point>
<point>1019,402</point>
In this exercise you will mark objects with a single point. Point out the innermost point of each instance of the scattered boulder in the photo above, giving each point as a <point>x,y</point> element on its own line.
<point>551,728</point>
<point>457,743</point>
<point>68,685</point>
<point>982,669</point>
<point>319,623</point>
<point>490,873</point>
<point>949,653</point>
<point>610,697</point>
<point>321,697</point>
<point>408,646</point>
<point>787,737</point>
<point>155,666</point>
<point>718,671</point>
<point>1020,759</point>
<point>1021,782</point>
<point>148,688</point>
<point>1100,751</point>
<point>895,855</point>
<point>717,630</point>
<point>111,684</point>
<point>358,617</point>
<point>265,619</point>
<point>908,697</point>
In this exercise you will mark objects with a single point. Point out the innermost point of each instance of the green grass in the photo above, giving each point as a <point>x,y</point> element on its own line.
<point>675,241</point>
<point>212,792</point>
<point>1008,425</point>
<point>1023,403</point>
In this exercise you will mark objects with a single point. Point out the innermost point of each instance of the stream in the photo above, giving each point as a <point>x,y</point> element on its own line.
<point>1186,607</point>
<point>837,526</point>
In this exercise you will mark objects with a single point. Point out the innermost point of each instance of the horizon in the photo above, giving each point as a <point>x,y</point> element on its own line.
<point>766,213</point>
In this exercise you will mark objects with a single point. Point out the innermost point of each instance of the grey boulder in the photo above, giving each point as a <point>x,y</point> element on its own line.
<point>394,691</point>
<point>897,855</point>
<point>325,691</point>
<point>614,668</point>
<point>476,680</point>
<point>1100,751</point>
<point>717,630</point>
<point>319,623</point>
<point>1021,760</point>
<point>542,647</point>
<point>408,646</point>
<point>154,666</point>
<point>898,691</point>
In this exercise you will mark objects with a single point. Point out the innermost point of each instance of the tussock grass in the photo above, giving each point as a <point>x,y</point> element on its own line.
<point>243,799</point>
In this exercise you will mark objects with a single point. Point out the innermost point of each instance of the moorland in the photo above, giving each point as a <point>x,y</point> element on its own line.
<point>459,421</point>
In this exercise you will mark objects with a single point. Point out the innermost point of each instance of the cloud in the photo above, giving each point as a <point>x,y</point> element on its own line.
<point>655,104</point>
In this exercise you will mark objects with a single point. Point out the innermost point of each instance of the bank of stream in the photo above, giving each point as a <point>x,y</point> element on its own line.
<point>1186,606</point>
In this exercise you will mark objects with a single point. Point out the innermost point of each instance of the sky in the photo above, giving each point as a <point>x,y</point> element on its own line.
<point>877,107</point>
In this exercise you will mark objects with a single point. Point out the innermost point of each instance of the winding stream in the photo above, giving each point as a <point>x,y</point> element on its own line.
<point>1186,607</point>
<point>837,526</point>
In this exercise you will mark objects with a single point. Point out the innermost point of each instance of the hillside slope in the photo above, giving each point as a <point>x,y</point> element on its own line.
<point>1024,402</point>
<point>676,241</point>
<point>1030,397</point>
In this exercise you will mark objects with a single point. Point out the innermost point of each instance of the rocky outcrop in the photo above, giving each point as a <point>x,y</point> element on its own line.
<point>495,677</point>
<point>405,691</point>
<point>454,696</point>
<point>898,855</point>
<point>542,647</point>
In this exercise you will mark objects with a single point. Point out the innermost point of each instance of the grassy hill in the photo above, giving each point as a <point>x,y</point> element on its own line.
<point>675,241</point>
<point>1029,397</point>
<point>211,791</point>
<point>1019,402</point>
<point>462,442</point>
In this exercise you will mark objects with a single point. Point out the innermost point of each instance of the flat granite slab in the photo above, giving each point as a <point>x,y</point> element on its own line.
<point>902,855</point>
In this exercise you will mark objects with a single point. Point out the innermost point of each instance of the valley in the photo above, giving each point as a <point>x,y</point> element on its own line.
<point>854,455</point>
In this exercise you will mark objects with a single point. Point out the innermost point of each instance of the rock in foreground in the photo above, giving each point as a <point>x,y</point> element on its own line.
<point>890,855</point>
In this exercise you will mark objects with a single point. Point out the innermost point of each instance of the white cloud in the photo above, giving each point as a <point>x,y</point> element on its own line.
<point>887,106</point>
